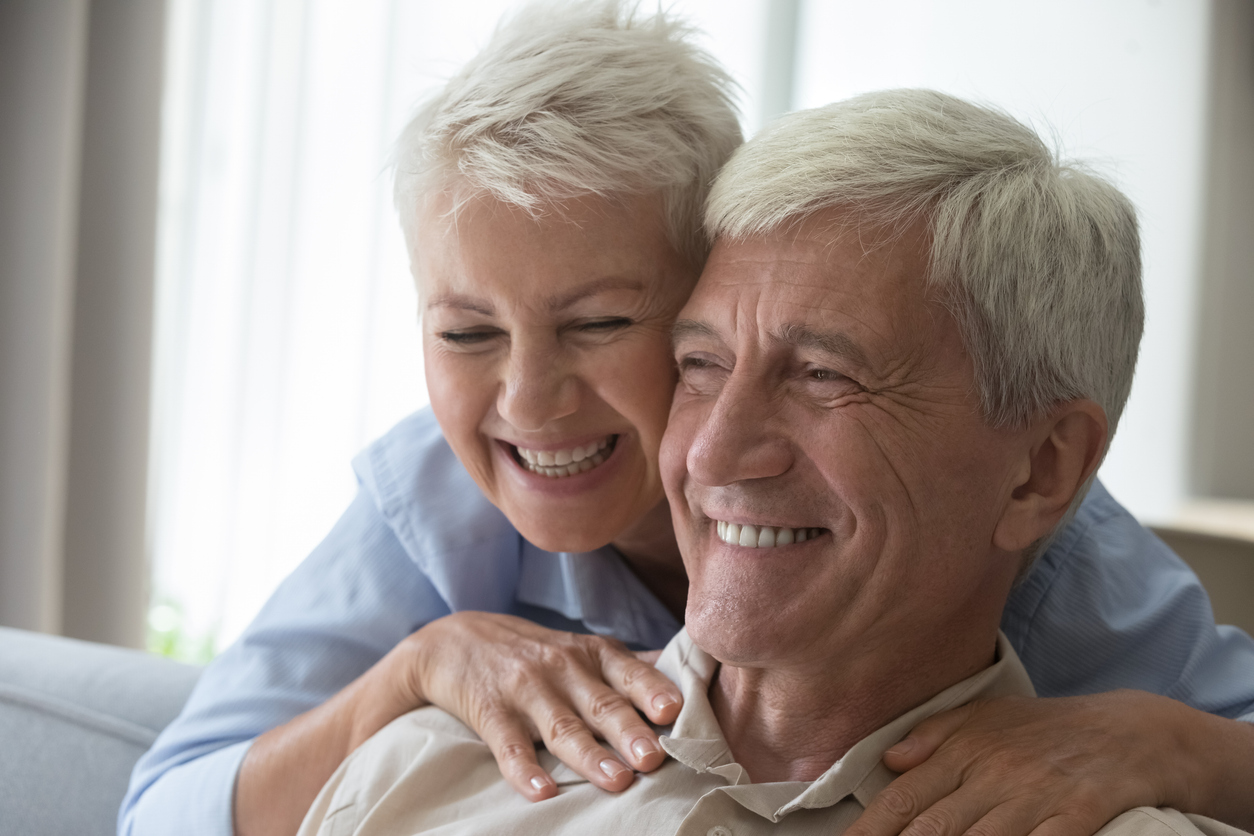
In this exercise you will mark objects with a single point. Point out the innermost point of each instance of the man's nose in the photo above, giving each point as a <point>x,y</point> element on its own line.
<point>537,385</point>
<point>739,438</point>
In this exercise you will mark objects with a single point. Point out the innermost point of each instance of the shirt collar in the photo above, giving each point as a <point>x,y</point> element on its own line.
<point>697,741</point>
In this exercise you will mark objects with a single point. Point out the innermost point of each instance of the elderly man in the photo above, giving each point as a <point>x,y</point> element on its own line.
<point>898,374</point>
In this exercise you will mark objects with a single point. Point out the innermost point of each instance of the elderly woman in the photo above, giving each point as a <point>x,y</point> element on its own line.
<point>551,197</point>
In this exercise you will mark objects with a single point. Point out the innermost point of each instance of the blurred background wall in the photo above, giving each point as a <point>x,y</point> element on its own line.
<point>205,309</point>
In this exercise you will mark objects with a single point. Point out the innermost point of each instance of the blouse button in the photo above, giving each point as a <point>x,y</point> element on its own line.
<point>718,830</point>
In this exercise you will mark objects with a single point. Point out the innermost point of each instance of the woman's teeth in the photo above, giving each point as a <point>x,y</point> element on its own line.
<point>557,463</point>
<point>763,537</point>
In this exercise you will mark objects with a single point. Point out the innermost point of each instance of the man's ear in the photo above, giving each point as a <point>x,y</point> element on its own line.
<point>1066,446</point>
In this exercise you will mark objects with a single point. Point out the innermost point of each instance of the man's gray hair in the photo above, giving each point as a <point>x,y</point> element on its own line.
<point>1038,259</point>
<point>570,99</point>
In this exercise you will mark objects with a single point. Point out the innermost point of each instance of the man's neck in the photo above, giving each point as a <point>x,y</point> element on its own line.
<point>792,724</point>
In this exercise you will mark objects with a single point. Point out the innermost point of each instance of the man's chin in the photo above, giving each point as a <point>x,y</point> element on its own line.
<point>733,636</point>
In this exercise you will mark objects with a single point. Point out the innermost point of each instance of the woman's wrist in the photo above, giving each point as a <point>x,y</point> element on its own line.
<point>391,688</point>
<point>1220,766</point>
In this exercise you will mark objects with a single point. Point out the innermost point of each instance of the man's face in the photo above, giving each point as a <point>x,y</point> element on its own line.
<point>822,390</point>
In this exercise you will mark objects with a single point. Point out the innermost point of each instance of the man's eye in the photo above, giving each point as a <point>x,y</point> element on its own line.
<point>826,375</point>
<point>701,375</point>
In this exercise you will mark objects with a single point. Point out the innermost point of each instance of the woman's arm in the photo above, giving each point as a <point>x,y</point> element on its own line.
<point>350,602</point>
<point>510,680</point>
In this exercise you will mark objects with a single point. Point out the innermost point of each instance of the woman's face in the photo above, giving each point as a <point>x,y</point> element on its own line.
<point>548,361</point>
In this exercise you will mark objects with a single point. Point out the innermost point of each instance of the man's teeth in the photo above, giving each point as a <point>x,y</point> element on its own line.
<point>764,536</point>
<point>567,462</point>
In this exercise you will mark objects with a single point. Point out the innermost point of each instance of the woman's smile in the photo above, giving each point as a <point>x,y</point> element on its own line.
<point>565,461</point>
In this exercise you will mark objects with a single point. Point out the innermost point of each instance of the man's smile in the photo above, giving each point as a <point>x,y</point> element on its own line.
<point>764,536</point>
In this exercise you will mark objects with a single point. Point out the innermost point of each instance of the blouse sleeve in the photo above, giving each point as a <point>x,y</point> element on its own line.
<point>1110,606</point>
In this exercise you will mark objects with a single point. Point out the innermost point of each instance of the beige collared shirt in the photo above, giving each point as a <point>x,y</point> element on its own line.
<point>427,773</point>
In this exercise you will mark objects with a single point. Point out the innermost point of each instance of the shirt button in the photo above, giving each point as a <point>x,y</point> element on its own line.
<point>718,830</point>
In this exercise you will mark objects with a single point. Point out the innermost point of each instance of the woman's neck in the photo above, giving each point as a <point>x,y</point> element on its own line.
<point>650,550</point>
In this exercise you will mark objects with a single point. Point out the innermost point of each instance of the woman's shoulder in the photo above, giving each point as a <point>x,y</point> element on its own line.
<point>431,503</point>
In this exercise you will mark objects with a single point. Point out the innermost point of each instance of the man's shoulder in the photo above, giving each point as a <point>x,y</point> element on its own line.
<point>1163,821</point>
<point>408,734</point>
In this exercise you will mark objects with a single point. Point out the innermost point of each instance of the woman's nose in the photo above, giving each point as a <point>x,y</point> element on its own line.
<point>537,387</point>
<point>738,439</point>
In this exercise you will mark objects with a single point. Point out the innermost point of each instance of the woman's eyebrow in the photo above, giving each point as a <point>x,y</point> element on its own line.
<point>560,303</point>
<point>462,302</point>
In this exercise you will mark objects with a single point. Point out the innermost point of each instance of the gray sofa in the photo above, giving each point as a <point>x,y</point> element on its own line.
<point>74,718</point>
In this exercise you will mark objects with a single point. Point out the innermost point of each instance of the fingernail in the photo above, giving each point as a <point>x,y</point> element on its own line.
<point>541,784</point>
<point>643,748</point>
<point>663,701</point>
<point>612,768</point>
<point>904,747</point>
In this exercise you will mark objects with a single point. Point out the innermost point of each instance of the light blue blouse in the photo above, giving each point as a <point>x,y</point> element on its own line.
<point>1108,606</point>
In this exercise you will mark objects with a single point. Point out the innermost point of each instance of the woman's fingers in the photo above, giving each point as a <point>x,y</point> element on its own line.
<point>1069,825</point>
<point>925,738</point>
<point>648,688</point>
<point>515,751</point>
<point>567,737</point>
<point>900,804</point>
<point>967,812</point>
<point>585,707</point>
<point>609,715</point>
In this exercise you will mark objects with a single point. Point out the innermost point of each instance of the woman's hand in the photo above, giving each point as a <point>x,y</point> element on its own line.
<point>515,682</point>
<point>1062,767</point>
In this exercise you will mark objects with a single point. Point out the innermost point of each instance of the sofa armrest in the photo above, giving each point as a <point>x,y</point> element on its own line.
<point>74,718</point>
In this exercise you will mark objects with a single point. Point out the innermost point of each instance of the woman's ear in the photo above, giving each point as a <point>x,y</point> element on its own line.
<point>1066,447</point>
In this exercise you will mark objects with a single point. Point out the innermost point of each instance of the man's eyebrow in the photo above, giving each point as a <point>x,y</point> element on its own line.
<point>690,328</point>
<point>833,343</point>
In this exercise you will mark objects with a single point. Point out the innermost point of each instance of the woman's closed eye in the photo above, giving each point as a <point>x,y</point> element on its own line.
<point>469,337</point>
<point>604,326</point>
